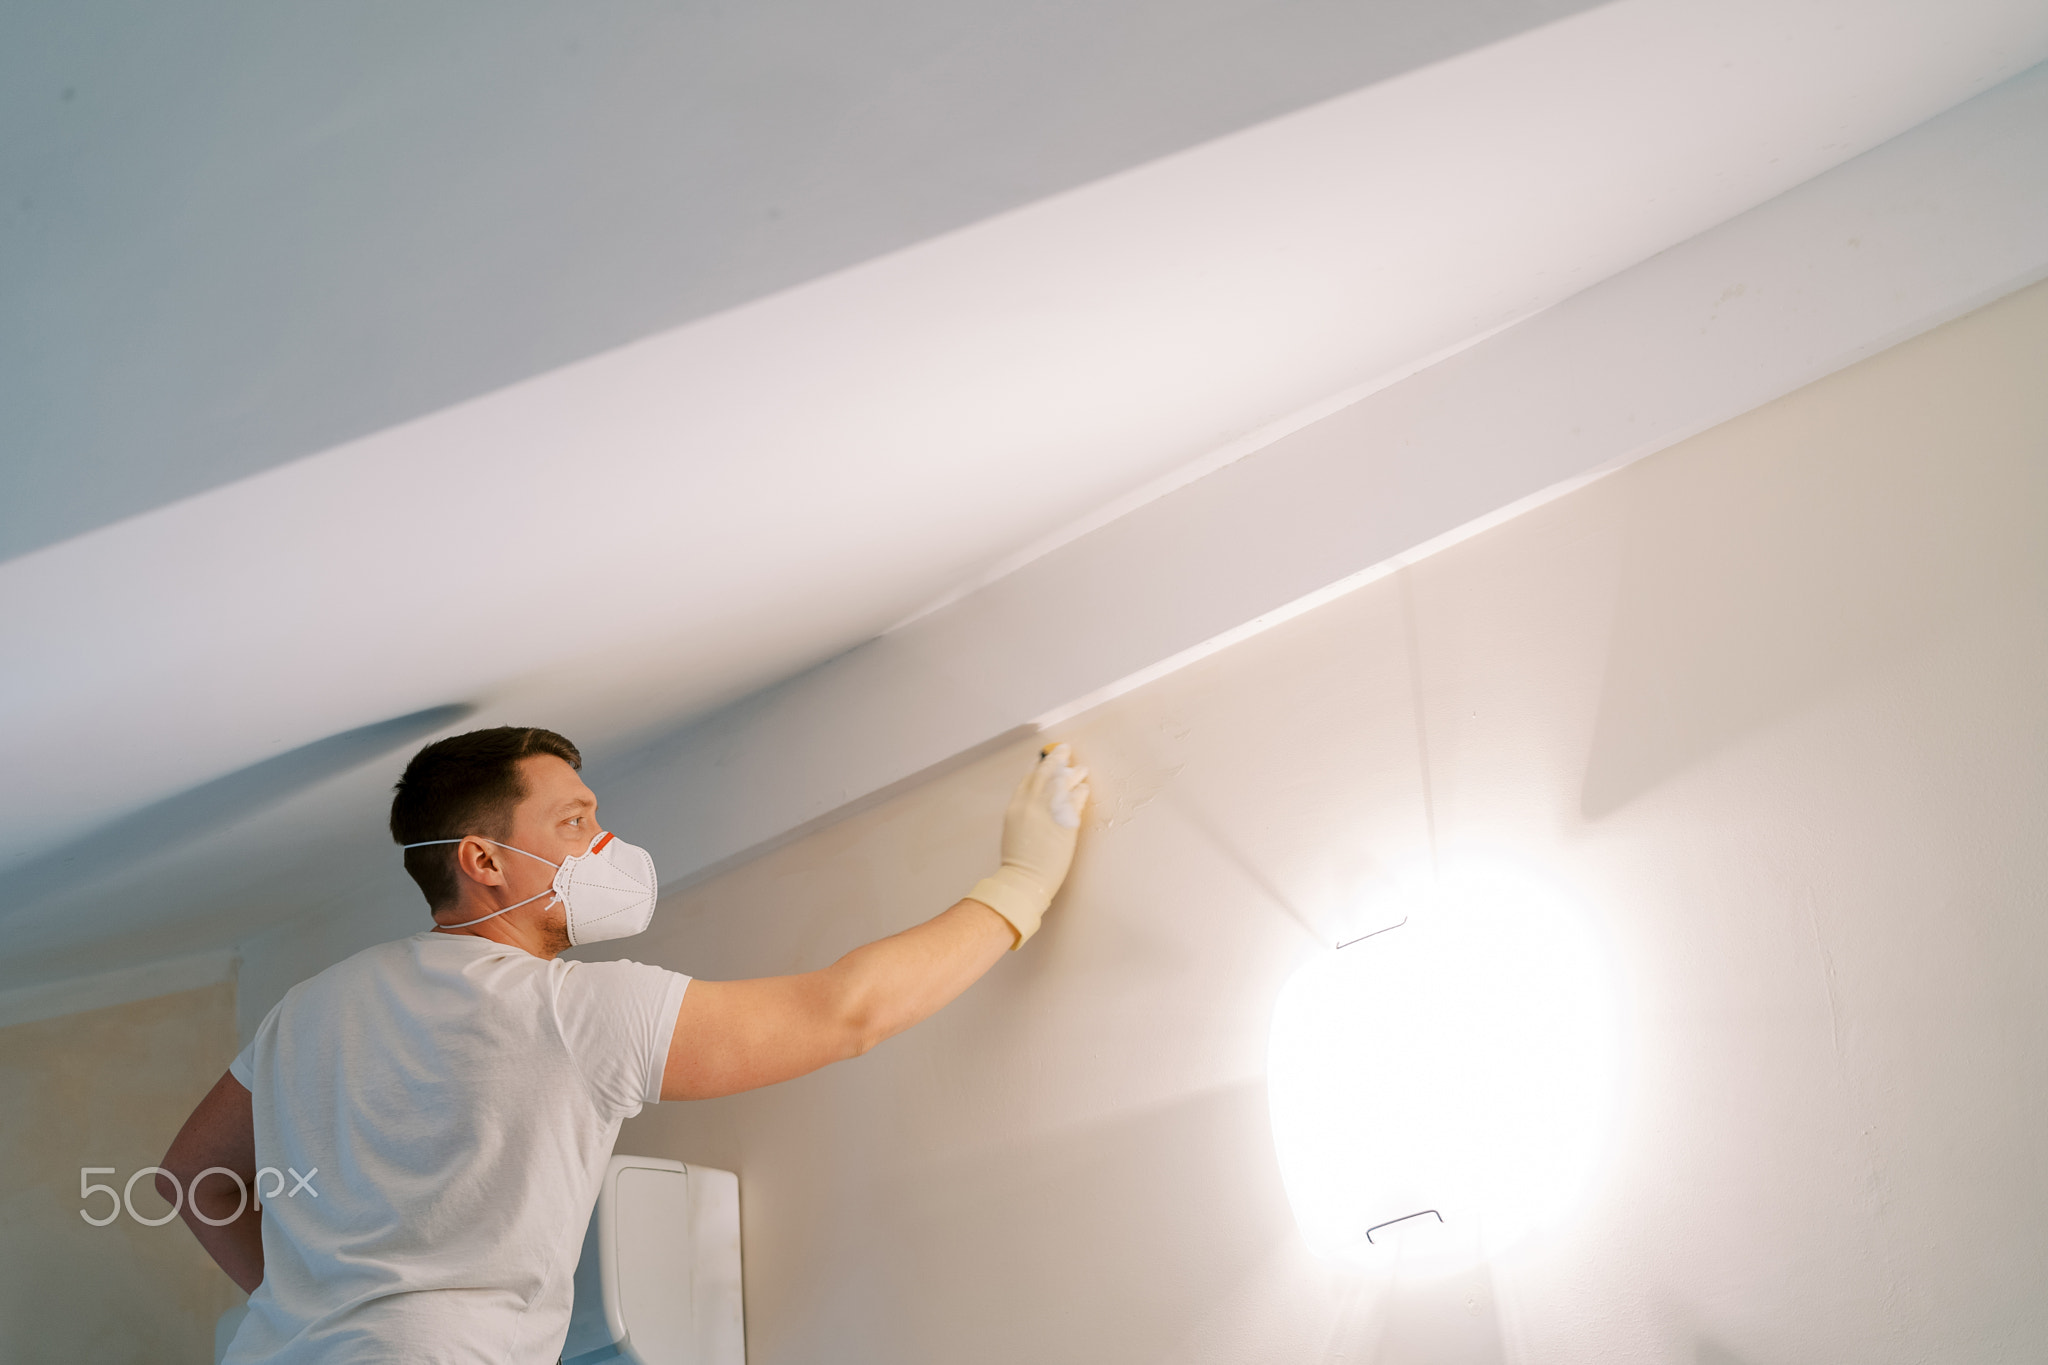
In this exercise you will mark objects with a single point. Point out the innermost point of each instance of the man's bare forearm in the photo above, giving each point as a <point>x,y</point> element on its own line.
<point>739,1035</point>
<point>895,982</point>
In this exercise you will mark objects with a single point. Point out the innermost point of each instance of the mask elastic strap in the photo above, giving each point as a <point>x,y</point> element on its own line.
<point>495,913</point>
<point>427,843</point>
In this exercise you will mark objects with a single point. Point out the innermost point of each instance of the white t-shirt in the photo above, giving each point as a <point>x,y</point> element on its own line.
<point>453,1103</point>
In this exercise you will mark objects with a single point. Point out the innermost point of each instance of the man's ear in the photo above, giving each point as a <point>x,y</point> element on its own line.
<point>479,862</point>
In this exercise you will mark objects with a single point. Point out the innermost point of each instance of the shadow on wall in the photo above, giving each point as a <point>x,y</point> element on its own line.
<point>1077,1218</point>
<point>1765,574</point>
<point>116,848</point>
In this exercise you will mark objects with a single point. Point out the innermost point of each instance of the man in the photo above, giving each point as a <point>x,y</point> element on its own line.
<point>452,1098</point>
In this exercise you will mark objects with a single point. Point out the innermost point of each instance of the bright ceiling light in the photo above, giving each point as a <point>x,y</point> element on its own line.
<point>1443,1089</point>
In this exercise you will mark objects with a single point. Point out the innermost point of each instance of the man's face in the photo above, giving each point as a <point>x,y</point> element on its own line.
<point>557,820</point>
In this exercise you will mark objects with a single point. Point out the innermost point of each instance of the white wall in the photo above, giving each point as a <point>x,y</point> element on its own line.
<point>1771,701</point>
<point>105,1087</point>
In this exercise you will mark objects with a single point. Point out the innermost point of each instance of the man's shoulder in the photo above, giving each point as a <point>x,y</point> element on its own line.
<point>400,974</point>
<point>616,985</point>
<point>615,969</point>
<point>381,954</point>
<point>398,955</point>
<point>327,989</point>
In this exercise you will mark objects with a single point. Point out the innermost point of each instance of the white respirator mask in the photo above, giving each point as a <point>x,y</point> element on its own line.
<point>609,888</point>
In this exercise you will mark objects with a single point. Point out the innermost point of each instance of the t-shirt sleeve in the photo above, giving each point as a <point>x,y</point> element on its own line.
<point>243,1068</point>
<point>618,1018</point>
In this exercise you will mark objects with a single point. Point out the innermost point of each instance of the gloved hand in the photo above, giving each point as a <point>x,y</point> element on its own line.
<point>1039,829</point>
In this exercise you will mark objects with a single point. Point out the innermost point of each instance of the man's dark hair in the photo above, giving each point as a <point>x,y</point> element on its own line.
<point>461,785</point>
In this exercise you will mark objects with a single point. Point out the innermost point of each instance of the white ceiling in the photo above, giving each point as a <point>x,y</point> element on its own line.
<point>618,543</point>
<point>237,235</point>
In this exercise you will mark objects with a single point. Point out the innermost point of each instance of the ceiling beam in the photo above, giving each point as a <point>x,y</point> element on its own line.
<point>1918,231</point>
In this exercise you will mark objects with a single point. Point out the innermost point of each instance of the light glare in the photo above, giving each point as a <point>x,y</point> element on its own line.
<point>1464,1062</point>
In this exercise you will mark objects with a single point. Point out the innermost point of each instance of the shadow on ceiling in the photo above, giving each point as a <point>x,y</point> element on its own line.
<point>198,811</point>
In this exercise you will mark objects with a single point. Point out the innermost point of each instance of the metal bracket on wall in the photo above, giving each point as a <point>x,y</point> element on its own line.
<point>1374,934</point>
<point>1403,1218</point>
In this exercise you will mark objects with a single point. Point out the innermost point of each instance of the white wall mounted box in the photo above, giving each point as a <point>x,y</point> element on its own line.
<point>659,1279</point>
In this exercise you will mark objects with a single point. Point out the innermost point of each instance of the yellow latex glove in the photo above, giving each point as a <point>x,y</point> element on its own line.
<point>1039,829</point>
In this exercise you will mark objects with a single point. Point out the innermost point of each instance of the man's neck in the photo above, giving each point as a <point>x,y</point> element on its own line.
<point>525,929</point>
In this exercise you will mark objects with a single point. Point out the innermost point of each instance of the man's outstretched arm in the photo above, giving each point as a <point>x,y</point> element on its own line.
<point>220,1133</point>
<point>739,1035</point>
